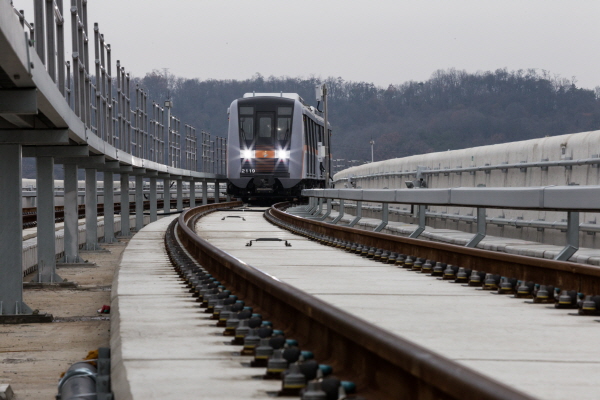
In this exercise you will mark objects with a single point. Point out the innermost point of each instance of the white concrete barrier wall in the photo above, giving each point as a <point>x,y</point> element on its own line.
<point>575,146</point>
<point>30,245</point>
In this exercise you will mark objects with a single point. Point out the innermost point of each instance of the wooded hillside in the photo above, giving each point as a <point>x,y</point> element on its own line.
<point>453,109</point>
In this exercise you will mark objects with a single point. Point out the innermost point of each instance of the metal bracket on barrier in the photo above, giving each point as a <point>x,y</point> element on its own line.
<point>384,217</point>
<point>481,229</point>
<point>287,244</point>
<point>358,214</point>
<point>233,216</point>
<point>421,227</point>
<point>572,237</point>
<point>340,214</point>
<point>322,218</point>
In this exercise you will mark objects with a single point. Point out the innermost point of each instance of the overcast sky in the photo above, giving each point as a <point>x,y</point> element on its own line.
<point>380,41</point>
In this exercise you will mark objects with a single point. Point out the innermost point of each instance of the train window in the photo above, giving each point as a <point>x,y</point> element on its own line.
<point>246,110</point>
<point>284,128</point>
<point>247,127</point>
<point>265,126</point>
<point>284,110</point>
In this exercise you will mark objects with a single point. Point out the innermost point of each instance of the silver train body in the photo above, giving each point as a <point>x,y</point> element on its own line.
<point>275,147</point>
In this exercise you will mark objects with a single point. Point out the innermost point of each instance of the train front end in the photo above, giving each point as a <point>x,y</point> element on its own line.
<point>264,159</point>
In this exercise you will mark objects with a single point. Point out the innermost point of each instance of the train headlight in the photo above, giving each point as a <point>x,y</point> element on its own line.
<point>247,154</point>
<point>283,154</point>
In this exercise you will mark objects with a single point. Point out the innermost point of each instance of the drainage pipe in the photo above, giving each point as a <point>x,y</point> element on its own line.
<point>78,383</point>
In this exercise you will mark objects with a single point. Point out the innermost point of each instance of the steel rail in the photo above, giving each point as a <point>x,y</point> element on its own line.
<point>386,366</point>
<point>563,274</point>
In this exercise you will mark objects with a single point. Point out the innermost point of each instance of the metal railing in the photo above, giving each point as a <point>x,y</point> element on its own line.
<point>569,199</point>
<point>108,103</point>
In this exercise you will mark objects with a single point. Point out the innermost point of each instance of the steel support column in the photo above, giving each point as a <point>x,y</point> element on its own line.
<point>192,194</point>
<point>204,193</point>
<point>71,210</point>
<point>46,233</point>
<point>167,196</point>
<point>109,208</point>
<point>153,206</point>
<point>91,210</point>
<point>572,237</point>
<point>125,226</point>
<point>216,192</point>
<point>139,202</point>
<point>179,195</point>
<point>11,234</point>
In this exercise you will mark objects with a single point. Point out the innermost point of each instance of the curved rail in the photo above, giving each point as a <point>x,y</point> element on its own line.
<point>564,274</point>
<point>386,366</point>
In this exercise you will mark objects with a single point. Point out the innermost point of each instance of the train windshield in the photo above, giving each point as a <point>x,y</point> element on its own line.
<point>265,127</point>
<point>284,123</point>
<point>247,123</point>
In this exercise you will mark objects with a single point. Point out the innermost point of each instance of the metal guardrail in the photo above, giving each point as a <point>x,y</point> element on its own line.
<point>570,199</point>
<point>499,221</point>
<point>549,198</point>
<point>386,364</point>
<point>113,115</point>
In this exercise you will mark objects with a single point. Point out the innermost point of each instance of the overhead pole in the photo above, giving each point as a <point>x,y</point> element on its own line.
<point>327,139</point>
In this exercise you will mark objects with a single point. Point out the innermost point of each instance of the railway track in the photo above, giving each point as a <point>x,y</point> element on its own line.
<point>381,364</point>
<point>505,273</point>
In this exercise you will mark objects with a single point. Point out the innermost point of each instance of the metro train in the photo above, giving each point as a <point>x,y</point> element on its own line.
<point>276,147</point>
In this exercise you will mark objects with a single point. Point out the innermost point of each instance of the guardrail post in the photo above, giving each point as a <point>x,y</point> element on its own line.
<point>319,208</point>
<point>91,210</point>
<point>481,229</point>
<point>204,193</point>
<point>326,212</point>
<point>384,217</point>
<point>192,194</point>
<point>179,194</point>
<point>109,207</point>
<point>153,204</point>
<point>340,214</point>
<point>11,234</point>
<point>421,227</point>
<point>312,205</point>
<point>358,214</point>
<point>572,237</point>
<point>125,226</point>
<point>139,202</point>
<point>71,212</point>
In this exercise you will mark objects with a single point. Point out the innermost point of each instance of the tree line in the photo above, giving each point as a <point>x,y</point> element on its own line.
<point>453,109</point>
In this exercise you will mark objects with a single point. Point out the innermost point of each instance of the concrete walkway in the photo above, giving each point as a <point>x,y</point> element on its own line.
<point>163,345</point>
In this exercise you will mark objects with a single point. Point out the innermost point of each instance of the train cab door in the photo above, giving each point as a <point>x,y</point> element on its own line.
<point>265,149</point>
<point>265,128</point>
